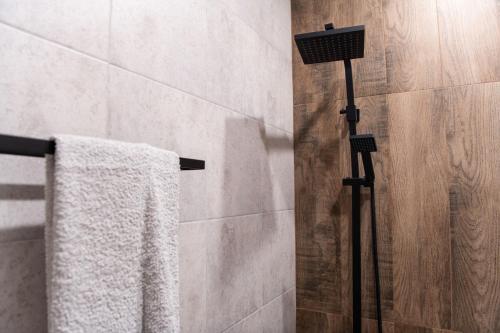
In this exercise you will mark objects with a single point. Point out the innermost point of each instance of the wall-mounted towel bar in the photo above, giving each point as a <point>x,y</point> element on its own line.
<point>16,145</point>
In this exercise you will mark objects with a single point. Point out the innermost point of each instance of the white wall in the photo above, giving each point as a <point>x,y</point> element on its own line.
<point>210,79</point>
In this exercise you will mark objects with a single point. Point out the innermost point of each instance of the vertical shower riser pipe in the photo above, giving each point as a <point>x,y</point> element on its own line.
<point>352,117</point>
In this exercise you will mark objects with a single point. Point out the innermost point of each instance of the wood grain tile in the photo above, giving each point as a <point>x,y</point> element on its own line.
<point>411,45</point>
<point>318,322</point>
<point>323,216</point>
<point>369,73</point>
<point>370,326</point>
<point>436,167</point>
<point>312,83</point>
<point>474,154</point>
<point>317,177</point>
<point>419,193</point>
<point>405,328</point>
<point>470,40</point>
<point>374,119</point>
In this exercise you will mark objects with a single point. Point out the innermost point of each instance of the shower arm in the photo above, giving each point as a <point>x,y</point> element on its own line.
<point>351,112</point>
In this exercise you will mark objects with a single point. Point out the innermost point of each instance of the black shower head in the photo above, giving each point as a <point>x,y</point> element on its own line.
<point>365,144</point>
<point>331,44</point>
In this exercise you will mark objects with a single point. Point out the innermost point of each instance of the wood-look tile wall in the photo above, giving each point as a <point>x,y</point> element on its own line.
<point>429,89</point>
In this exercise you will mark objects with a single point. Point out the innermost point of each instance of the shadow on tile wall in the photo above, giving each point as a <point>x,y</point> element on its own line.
<point>248,259</point>
<point>22,260</point>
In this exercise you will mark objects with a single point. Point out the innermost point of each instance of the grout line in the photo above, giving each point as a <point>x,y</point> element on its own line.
<point>211,219</point>
<point>258,309</point>
<point>106,62</point>
<point>413,91</point>
<point>199,97</point>
<point>326,312</point>
<point>442,88</point>
<point>390,321</point>
<point>57,44</point>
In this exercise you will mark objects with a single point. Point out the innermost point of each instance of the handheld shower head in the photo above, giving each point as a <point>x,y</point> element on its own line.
<point>365,144</point>
<point>331,44</point>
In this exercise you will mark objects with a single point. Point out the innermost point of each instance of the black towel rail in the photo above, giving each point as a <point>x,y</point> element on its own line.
<point>17,145</point>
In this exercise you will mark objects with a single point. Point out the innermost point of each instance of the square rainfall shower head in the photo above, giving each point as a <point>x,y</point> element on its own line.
<point>331,44</point>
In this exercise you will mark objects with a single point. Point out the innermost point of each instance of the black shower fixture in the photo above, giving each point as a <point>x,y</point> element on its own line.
<point>331,44</point>
<point>365,144</point>
<point>344,44</point>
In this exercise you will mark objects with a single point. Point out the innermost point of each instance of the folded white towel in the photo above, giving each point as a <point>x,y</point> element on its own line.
<point>111,237</point>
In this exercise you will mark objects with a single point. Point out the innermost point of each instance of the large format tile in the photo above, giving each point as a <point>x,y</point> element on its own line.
<point>277,169</point>
<point>49,89</point>
<point>46,89</point>
<point>473,140</point>
<point>232,266</point>
<point>320,222</point>
<point>420,215</point>
<point>82,25</point>
<point>255,78</point>
<point>275,89</point>
<point>278,253</point>
<point>251,324</point>
<point>234,81</point>
<point>411,45</point>
<point>22,287</point>
<point>234,270</point>
<point>470,40</point>
<point>22,205</point>
<point>164,40</point>
<point>193,279</point>
<point>278,316</point>
<point>145,111</point>
<point>277,30</point>
<point>21,219</point>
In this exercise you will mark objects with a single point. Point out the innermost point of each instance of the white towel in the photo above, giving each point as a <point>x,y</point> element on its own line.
<point>111,237</point>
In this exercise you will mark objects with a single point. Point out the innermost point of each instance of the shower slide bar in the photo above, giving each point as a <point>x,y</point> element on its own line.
<point>23,146</point>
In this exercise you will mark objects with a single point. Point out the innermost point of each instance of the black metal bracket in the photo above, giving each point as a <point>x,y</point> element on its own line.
<point>329,26</point>
<point>351,113</point>
<point>356,182</point>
